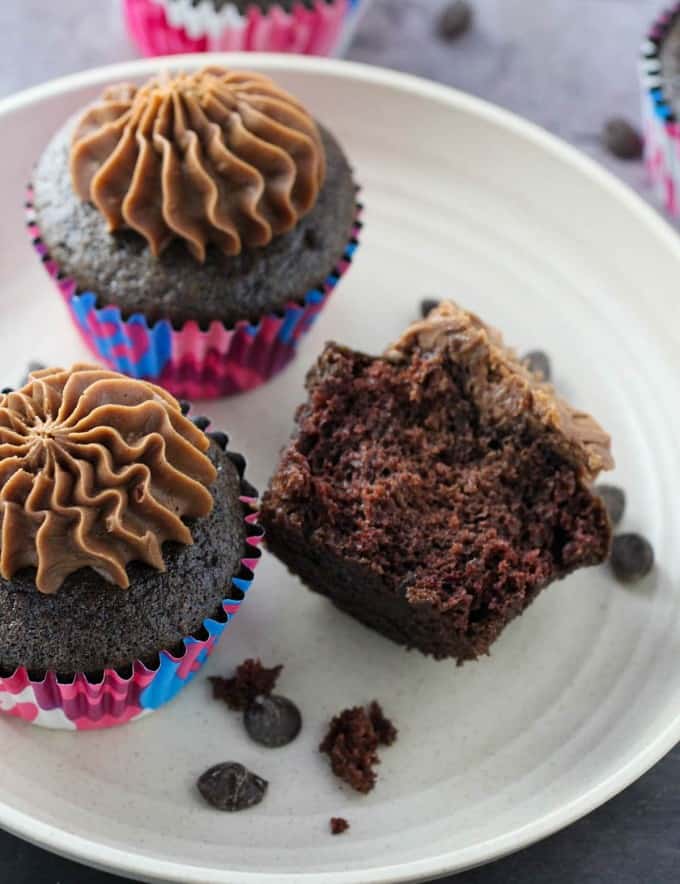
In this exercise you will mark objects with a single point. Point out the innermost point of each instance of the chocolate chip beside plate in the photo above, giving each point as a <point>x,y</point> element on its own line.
<point>231,786</point>
<point>622,139</point>
<point>272,721</point>
<point>632,557</point>
<point>614,499</point>
<point>454,20</point>
<point>426,305</point>
<point>539,362</point>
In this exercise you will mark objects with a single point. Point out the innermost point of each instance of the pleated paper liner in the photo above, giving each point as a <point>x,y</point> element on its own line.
<point>191,362</point>
<point>168,27</point>
<point>88,701</point>
<point>661,127</point>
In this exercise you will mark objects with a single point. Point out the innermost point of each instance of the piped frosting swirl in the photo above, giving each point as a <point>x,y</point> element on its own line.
<point>96,470</point>
<point>213,157</point>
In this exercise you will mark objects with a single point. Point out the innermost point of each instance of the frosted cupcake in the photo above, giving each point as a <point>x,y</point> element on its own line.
<point>128,540</point>
<point>195,227</point>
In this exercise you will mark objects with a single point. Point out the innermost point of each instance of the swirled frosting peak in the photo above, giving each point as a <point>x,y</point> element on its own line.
<point>214,157</point>
<point>96,470</point>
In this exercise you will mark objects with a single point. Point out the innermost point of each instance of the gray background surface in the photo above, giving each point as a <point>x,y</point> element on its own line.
<point>566,64</point>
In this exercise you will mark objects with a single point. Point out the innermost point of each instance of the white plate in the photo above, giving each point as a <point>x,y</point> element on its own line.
<point>581,694</point>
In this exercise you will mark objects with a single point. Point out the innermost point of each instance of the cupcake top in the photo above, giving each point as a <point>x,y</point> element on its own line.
<point>502,385</point>
<point>96,470</point>
<point>213,157</point>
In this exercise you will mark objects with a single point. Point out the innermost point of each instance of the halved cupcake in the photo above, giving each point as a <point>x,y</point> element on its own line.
<point>433,492</point>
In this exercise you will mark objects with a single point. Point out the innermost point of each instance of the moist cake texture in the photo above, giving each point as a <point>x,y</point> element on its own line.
<point>433,491</point>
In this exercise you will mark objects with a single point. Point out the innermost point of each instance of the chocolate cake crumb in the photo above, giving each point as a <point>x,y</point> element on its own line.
<point>338,825</point>
<point>251,680</point>
<point>352,742</point>
<point>385,731</point>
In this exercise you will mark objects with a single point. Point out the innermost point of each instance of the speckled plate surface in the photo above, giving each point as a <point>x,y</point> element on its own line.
<point>580,696</point>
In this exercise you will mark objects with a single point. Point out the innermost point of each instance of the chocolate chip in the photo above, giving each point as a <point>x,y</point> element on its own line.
<point>338,825</point>
<point>272,721</point>
<point>622,139</point>
<point>7,390</point>
<point>632,557</point>
<point>201,422</point>
<point>614,499</point>
<point>538,362</point>
<point>455,20</point>
<point>428,304</point>
<point>185,406</point>
<point>231,786</point>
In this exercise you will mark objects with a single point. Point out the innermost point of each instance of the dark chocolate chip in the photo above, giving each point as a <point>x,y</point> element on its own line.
<point>622,139</point>
<point>632,557</point>
<point>219,438</point>
<point>338,825</point>
<point>272,721</point>
<point>201,422</point>
<point>185,406</point>
<point>231,786</point>
<point>614,499</point>
<point>426,305</point>
<point>7,390</point>
<point>538,362</point>
<point>454,20</point>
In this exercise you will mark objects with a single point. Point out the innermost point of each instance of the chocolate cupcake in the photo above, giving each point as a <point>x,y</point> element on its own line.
<point>311,27</point>
<point>126,544</point>
<point>195,227</point>
<point>433,492</point>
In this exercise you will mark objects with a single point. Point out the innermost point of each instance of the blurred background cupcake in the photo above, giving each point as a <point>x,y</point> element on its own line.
<point>128,541</point>
<point>660,81</point>
<point>195,227</point>
<point>312,27</point>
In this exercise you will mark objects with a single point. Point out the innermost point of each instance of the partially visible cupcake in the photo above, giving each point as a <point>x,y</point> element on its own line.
<point>195,227</point>
<point>127,541</point>
<point>660,84</point>
<point>311,27</point>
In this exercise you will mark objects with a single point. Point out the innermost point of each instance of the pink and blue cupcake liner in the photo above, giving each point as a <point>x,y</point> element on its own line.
<point>661,127</point>
<point>86,701</point>
<point>168,27</point>
<point>191,362</point>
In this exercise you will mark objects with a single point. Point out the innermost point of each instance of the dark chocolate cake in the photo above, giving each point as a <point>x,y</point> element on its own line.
<point>432,492</point>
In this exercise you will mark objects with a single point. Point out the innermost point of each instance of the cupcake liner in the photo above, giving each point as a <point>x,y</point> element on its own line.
<point>661,128</point>
<point>191,362</point>
<point>86,701</point>
<point>166,27</point>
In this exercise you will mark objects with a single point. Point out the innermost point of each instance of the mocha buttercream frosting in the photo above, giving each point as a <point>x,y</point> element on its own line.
<point>96,470</point>
<point>503,387</point>
<point>215,157</point>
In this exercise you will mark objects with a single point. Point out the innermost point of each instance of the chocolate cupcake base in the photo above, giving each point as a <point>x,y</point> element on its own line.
<point>96,656</point>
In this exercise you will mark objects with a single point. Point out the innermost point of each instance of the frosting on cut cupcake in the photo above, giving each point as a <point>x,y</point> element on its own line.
<point>503,387</point>
<point>96,470</point>
<point>216,157</point>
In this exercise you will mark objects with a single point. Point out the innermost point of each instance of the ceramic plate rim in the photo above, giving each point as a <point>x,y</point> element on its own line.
<point>114,860</point>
